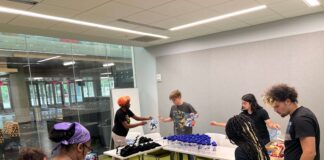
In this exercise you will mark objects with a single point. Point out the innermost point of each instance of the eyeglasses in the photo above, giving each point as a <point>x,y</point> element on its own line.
<point>89,148</point>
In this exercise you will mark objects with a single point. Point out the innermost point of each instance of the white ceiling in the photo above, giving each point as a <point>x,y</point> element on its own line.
<point>158,13</point>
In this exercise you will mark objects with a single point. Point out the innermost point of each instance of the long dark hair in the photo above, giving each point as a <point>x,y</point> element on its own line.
<point>241,131</point>
<point>250,98</point>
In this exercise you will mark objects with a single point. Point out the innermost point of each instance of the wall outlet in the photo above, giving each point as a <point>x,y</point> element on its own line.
<point>158,77</point>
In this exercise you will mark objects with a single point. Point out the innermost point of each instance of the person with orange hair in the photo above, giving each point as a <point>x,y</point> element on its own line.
<point>122,121</point>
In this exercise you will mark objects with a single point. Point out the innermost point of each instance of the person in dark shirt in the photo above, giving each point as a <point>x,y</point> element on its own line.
<point>302,140</point>
<point>241,131</point>
<point>122,121</point>
<point>180,113</point>
<point>260,117</point>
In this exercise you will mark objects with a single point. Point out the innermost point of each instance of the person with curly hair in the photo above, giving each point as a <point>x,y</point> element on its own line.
<point>302,139</point>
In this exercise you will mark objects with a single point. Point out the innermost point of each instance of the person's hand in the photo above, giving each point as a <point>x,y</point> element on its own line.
<point>161,119</point>
<point>213,123</point>
<point>143,123</point>
<point>276,126</point>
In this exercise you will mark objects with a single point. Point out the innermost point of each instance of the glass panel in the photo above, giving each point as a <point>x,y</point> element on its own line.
<point>42,94</point>
<point>5,97</point>
<point>61,80</point>
<point>66,94</point>
<point>79,92</point>
<point>50,94</point>
<point>106,84</point>
<point>72,93</point>
<point>58,94</point>
<point>33,95</point>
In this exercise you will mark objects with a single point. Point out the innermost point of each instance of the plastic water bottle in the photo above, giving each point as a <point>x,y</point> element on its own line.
<point>181,144</point>
<point>199,146</point>
<point>214,145</point>
<point>186,145</point>
<point>164,141</point>
<point>191,146</point>
<point>208,147</point>
<point>203,147</point>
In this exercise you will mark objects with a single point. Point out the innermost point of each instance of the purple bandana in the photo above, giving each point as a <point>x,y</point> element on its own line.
<point>81,134</point>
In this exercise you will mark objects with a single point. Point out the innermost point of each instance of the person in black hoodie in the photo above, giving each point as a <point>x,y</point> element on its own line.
<point>260,117</point>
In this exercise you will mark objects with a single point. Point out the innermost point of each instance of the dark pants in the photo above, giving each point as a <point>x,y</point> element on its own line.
<point>190,157</point>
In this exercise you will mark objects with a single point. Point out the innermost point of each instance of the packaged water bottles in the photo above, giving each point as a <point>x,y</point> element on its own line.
<point>191,142</point>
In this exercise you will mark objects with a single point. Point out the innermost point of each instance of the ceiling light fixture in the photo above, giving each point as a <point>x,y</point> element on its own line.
<point>105,73</point>
<point>37,78</point>
<point>68,63</point>
<point>73,21</point>
<point>208,20</point>
<point>108,64</point>
<point>312,3</point>
<point>47,59</point>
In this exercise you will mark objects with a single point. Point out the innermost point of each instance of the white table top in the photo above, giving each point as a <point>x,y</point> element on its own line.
<point>112,153</point>
<point>223,153</point>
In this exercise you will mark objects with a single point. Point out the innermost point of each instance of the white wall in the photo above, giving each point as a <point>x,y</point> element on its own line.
<point>283,28</point>
<point>214,71</point>
<point>213,80</point>
<point>145,71</point>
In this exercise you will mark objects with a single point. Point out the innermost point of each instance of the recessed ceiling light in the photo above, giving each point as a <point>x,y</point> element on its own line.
<point>68,63</point>
<point>244,11</point>
<point>37,78</point>
<point>73,21</point>
<point>47,59</point>
<point>312,3</point>
<point>105,73</point>
<point>108,64</point>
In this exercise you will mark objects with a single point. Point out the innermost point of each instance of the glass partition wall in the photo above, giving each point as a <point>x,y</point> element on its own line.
<point>47,80</point>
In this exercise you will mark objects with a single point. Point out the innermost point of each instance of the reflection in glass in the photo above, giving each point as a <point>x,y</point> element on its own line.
<point>74,86</point>
<point>5,95</point>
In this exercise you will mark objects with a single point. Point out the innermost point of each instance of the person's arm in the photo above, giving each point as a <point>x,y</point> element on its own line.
<point>309,148</point>
<point>126,125</point>
<point>217,124</point>
<point>270,124</point>
<point>267,120</point>
<point>193,111</point>
<point>168,119</point>
<point>141,118</point>
<point>306,132</point>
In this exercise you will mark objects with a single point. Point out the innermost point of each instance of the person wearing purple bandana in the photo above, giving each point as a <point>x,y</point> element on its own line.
<point>74,141</point>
